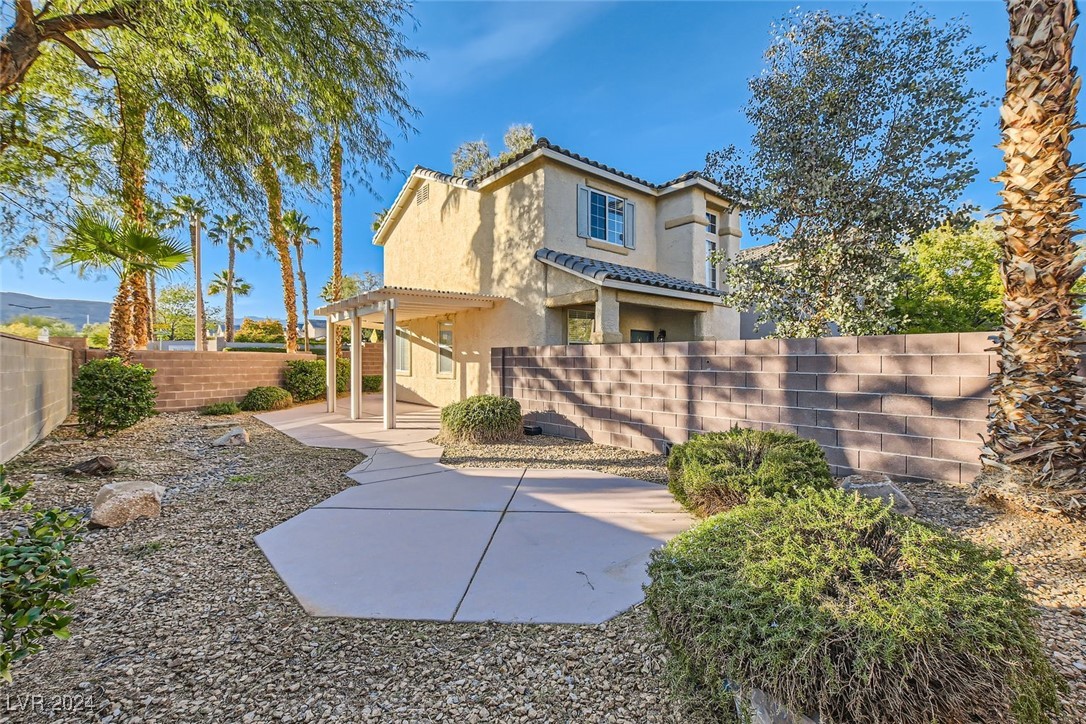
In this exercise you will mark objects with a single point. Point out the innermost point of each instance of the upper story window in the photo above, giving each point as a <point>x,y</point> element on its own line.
<point>712,271</point>
<point>710,222</point>
<point>604,217</point>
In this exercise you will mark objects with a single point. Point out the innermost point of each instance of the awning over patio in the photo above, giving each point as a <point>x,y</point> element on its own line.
<point>382,309</point>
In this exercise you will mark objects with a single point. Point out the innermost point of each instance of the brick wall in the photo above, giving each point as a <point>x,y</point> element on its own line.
<point>190,380</point>
<point>35,392</point>
<point>910,406</point>
<point>372,359</point>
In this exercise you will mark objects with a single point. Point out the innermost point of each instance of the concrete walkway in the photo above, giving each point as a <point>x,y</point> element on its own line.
<point>416,539</point>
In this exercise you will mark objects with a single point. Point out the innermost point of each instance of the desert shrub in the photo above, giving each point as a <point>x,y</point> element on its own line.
<point>36,574</point>
<point>304,379</point>
<point>718,470</point>
<point>221,408</point>
<point>260,330</point>
<point>262,399</point>
<point>110,395</point>
<point>839,608</point>
<point>482,418</point>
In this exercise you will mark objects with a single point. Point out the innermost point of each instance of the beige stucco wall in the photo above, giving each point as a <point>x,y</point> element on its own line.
<point>484,242</point>
<point>35,392</point>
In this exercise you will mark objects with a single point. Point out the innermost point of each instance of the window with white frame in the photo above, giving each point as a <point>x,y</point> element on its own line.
<point>445,349</point>
<point>710,222</point>
<point>579,326</point>
<point>711,270</point>
<point>604,217</point>
<point>403,352</point>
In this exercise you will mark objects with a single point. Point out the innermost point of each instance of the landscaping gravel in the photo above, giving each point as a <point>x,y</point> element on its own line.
<point>189,623</point>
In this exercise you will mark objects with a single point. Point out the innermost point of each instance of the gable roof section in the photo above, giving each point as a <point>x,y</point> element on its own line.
<point>602,271</point>
<point>542,147</point>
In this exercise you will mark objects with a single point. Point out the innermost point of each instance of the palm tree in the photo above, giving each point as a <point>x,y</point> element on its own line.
<point>336,168</point>
<point>233,232</point>
<point>299,233</point>
<point>224,282</point>
<point>267,174</point>
<point>97,243</point>
<point>186,208</point>
<point>1037,424</point>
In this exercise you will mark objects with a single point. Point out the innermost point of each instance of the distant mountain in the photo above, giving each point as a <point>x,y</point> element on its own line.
<point>75,311</point>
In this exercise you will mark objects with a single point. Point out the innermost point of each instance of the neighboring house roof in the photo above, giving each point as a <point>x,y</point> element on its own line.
<point>604,270</point>
<point>755,254</point>
<point>542,147</point>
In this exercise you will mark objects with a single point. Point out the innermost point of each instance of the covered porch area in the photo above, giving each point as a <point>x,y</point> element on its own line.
<point>384,309</point>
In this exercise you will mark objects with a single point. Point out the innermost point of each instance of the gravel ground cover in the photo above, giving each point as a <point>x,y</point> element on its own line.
<point>189,623</point>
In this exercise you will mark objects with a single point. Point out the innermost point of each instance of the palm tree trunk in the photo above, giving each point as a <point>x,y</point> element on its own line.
<point>197,263</point>
<point>1037,423</point>
<point>153,294</point>
<point>336,166</point>
<point>120,320</point>
<point>305,297</point>
<point>231,254</point>
<point>132,161</point>
<point>268,176</point>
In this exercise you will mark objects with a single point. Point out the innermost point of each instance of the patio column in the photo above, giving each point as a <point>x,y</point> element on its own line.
<point>356,366</point>
<point>388,383</point>
<point>605,329</point>
<point>330,362</point>
<point>701,327</point>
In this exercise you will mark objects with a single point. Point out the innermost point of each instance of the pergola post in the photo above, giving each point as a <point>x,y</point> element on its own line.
<point>330,352</point>
<point>389,379</point>
<point>356,367</point>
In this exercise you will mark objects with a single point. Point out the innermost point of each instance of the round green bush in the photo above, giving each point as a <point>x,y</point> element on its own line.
<point>109,395</point>
<point>718,470</point>
<point>839,608</point>
<point>482,418</point>
<point>262,399</point>
<point>305,380</point>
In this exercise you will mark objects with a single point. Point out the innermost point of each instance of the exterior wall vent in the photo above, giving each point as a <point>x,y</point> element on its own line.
<point>422,195</point>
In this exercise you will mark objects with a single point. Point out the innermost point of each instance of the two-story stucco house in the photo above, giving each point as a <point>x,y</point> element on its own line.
<point>548,248</point>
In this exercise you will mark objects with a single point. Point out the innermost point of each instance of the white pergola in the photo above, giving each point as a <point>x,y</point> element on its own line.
<point>382,309</point>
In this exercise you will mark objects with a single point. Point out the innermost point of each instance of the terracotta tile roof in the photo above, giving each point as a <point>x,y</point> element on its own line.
<point>755,254</point>
<point>601,270</point>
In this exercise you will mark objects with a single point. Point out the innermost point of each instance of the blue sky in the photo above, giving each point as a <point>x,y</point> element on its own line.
<point>648,87</point>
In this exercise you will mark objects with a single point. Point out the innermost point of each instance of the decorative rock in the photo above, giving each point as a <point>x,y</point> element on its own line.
<point>764,709</point>
<point>882,489</point>
<point>119,503</point>
<point>101,465</point>
<point>236,436</point>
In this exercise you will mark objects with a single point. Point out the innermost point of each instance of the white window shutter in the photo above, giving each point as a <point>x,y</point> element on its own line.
<point>628,226</point>
<point>582,212</point>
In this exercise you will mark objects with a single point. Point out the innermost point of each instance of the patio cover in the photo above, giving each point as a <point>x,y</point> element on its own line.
<point>382,309</point>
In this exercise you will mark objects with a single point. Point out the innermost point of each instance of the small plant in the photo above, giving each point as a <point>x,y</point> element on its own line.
<point>111,395</point>
<point>718,470</point>
<point>803,598</point>
<point>262,399</point>
<point>239,481</point>
<point>36,575</point>
<point>221,408</point>
<point>371,383</point>
<point>482,418</point>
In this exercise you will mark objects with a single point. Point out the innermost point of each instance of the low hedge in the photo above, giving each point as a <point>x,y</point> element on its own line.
<point>482,418</point>
<point>220,408</point>
<point>109,395</point>
<point>305,379</point>
<point>718,470</point>
<point>262,399</point>
<point>839,608</point>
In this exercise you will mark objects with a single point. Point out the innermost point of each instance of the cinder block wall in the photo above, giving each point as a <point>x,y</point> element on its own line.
<point>373,359</point>
<point>190,380</point>
<point>35,392</point>
<point>909,406</point>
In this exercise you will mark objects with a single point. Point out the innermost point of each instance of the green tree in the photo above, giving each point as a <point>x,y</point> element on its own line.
<point>951,280</point>
<point>261,330</point>
<point>30,326</point>
<point>177,312</point>
<point>862,127</point>
<point>352,285</point>
<point>98,243</point>
<point>299,235</point>
<point>231,231</point>
<point>97,335</point>
<point>474,158</point>
<point>186,209</point>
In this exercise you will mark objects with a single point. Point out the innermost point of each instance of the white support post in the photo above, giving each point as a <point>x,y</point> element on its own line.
<point>389,380</point>
<point>356,367</point>
<point>330,353</point>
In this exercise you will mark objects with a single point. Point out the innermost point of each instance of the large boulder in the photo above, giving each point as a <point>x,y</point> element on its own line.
<point>235,436</point>
<point>119,503</point>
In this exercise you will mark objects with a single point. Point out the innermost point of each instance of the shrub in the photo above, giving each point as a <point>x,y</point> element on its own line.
<point>110,395</point>
<point>260,330</point>
<point>262,399</point>
<point>839,608</point>
<point>482,418</point>
<point>221,408</point>
<point>36,574</point>
<point>718,470</point>
<point>304,379</point>
<point>371,383</point>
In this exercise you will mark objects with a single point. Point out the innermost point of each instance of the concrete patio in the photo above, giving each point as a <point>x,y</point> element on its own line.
<point>416,539</point>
